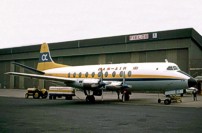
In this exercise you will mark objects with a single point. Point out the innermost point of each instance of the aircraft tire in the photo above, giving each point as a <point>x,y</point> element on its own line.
<point>45,95</point>
<point>90,99</point>
<point>125,98</point>
<point>50,97</point>
<point>68,98</point>
<point>54,97</point>
<point>36,95</point>
<point>167,101</point>
<point>93,99</point>
<point>159,100</point>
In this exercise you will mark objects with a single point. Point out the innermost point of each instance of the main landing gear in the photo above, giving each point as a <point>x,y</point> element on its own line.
<point>125,95</point>
<point>90,99</point>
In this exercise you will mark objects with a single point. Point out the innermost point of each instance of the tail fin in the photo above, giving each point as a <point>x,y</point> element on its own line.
<point>45,60</point>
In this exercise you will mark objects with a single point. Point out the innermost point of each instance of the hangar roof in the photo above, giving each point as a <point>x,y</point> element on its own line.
<point>123,39</point>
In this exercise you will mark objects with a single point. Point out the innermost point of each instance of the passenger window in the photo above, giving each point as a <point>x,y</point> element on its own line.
<point>113,74</point>
<point>129,73</point>
<point>93,74</point>
<point>99,74</point>
<point>80,74</point>
<point>106,74</point>
<point>74,75</point>
<point>121,74</point>
<point>86,74</point>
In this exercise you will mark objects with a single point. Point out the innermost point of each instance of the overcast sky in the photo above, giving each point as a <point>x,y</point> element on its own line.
<point>31,22</point>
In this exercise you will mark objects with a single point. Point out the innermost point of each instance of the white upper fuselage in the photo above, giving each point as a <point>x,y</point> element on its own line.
<point>150,76</point>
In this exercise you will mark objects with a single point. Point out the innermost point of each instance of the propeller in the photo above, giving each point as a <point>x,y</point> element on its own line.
<point>101,83</point>
<point>124,86</point>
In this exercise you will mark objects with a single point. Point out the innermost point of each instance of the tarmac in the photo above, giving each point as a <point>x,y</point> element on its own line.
<point>141,114</point>
<point>135,98</point>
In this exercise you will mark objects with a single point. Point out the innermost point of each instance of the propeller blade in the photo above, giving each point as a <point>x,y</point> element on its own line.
<point>124,85</point>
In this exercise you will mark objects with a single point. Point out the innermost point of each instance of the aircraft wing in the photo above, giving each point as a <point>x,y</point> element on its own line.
<point>62,79</point>
<point>110,85</point>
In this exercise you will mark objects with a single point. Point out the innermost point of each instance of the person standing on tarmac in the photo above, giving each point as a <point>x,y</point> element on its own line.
<point>195,95</point>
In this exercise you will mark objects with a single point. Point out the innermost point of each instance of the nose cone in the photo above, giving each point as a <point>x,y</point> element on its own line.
<point>192,82</point>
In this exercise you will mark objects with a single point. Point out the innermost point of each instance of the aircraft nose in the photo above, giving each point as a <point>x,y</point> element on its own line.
<point>192,82</point>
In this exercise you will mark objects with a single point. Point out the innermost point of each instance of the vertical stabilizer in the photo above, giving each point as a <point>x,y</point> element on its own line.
<point>45,60</point>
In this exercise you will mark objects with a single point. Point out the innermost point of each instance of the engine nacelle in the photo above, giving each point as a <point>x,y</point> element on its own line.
<point>90,83</point>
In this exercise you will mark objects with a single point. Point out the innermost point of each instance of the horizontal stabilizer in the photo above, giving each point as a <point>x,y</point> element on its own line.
<point>27,67</point>
<point>45,77</point>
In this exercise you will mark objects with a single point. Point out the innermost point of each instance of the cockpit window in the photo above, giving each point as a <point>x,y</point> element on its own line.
<point>170,68</point>
<point>175,68</point>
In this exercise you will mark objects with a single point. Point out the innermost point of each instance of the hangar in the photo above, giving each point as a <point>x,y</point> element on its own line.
<point>181,46</point>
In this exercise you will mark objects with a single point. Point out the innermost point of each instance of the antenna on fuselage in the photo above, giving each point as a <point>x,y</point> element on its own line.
<point>166,60</point>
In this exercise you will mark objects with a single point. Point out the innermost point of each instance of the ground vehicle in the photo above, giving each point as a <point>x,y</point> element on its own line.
<point>172,96</point>
<point>57,91</point>
<point>36,93</point>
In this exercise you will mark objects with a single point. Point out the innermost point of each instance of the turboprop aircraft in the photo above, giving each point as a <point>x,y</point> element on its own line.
<point>122,78</point>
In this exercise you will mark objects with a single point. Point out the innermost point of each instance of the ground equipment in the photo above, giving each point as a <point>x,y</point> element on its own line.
<point>36,93</point>
<point>57,91</point>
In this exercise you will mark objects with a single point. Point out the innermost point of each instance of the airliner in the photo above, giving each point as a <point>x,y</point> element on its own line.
<point>122,78</point>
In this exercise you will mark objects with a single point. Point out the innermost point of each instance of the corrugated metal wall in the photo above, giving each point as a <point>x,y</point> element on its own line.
<point>4,79</point>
